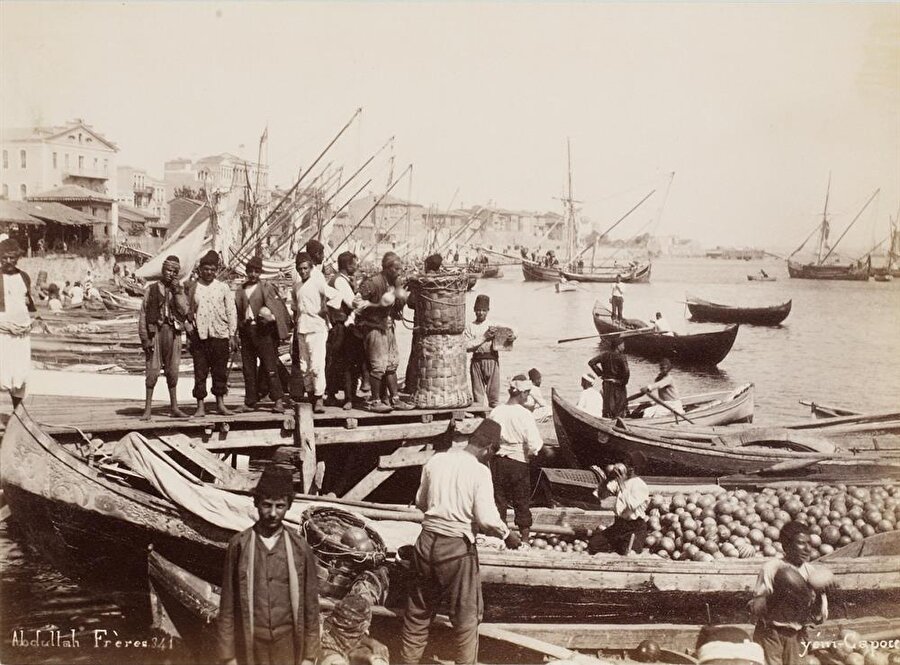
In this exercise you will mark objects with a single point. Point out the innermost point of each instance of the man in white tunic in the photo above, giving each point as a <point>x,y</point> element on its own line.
<point>591,399</point>
<point>15,322</point>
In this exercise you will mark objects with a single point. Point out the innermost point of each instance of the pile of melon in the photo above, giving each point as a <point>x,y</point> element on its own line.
<point>741,524</point>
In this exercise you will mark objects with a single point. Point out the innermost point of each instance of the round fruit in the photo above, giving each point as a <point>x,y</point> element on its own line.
<point>357,538</point>
<point>831,535</point>
<point>668,545</point>
<point>647,652</point>
<point>810,659</point>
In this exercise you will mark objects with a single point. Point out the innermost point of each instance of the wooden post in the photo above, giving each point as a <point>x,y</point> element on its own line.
<point>305,441</point>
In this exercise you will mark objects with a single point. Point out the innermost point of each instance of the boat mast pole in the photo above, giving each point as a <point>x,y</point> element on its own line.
<point>823,236</point>
<point>858,215</point>
<point>570,249</point>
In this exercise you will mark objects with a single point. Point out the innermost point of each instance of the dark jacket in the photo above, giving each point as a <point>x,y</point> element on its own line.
<point>612,366</point>
<point>29,301</point>
<point>269,298</point>
<point>235,630</point>
<point>150,316</point>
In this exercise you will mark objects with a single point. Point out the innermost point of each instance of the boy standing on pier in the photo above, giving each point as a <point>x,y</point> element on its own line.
<point>263,322</point>
<point>269,607</point>
<point>484,369</point>
<point>214,319</point>
<point>160,323</point>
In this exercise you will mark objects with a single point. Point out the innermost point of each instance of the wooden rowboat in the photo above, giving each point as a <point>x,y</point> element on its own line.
<point>705,348</point>
<point>685,450</point>
<point>639,274</point>
<point>760,278</point>
<point>193,605</point>
<point>704,310</point>
<point>72,503</point>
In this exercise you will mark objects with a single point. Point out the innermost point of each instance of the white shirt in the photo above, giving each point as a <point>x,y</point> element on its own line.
<point>475,340</point>
<point>15,300</point>
<point>618,289</point>
<point>520,438</point>
<point>591,402</point>
<point>662,325</point>
<point>457,493</point>
<point>632,498</point>
<point>215,313</point>
<point>249,291</point>
<point>77,295</point>
<point>309,299</point>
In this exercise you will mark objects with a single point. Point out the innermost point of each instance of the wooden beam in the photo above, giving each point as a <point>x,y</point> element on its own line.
<point>367,485</point>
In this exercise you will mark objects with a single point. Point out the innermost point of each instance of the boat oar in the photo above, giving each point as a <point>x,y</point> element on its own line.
<point>789,465</point>
<point>677,413</point>
<point>623,334</point>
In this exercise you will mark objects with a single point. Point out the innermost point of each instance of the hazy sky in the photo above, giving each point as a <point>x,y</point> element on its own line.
<point>750,105</point>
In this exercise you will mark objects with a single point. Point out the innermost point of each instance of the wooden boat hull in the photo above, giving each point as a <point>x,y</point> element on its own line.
<point>535,272</point>
<point>703,310</point>
<point>830,272</point>
<point>590,440</point>
<point>61,498</point>
<point>491,272</point>
<point>637,275</point>
<point>707,348</point>
<point>760,278</point>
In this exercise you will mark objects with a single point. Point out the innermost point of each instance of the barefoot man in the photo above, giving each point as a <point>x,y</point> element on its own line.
<point>163,312</point>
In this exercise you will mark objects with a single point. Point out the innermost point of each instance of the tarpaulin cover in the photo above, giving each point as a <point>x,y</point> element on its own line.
<point>226,509</point>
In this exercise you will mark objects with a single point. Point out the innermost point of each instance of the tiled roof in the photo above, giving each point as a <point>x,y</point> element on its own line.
<point>71,193</point>
<point>11,213</point>
<point>132,214</point>
<point>49,211</point>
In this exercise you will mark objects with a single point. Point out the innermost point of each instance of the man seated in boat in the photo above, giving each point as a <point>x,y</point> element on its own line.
<point>665,391</point>
<point>536,402</point>
<point>789,596</point>
<point>763,274</point>
<point>661,325</point>
<point>591,399</point>
<point>629,528</point>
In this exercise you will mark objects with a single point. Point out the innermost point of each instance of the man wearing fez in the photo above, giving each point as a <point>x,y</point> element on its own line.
<point>16,305</point>
<point>269,607</point>
<point>163,315</point>
<point>263,321</point>
<point>457,496</point>
<point>213,316</point>
<point>485,367</point>
<point>383,299</point>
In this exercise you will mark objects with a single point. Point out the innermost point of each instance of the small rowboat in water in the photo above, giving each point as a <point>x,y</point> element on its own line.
<point>761,278</point>
<point>689,450</point>
<point>704,348</point>
<point>704,310</point>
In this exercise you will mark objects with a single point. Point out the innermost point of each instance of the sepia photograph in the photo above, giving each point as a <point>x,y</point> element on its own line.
<point>363,332</point>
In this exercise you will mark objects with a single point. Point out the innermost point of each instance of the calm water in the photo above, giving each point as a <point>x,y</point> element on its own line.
<point>840,345</point>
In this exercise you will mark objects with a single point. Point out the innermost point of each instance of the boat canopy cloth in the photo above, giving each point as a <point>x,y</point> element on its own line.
<point>222,507</point>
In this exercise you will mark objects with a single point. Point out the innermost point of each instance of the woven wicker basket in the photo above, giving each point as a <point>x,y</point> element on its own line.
<point>442,381</point>
<point>440,303</point>
<point>339,565</point>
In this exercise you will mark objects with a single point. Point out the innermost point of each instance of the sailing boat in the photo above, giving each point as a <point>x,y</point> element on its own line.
<point>571,267</point>
<point>854,271</point>
<point>892,268</point>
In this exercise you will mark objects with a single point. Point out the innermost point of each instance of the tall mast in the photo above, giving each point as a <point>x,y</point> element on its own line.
<point>570,249</point>
<point>823,233</point>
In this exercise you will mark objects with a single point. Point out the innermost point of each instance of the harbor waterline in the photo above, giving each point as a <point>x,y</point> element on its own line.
<point>838,346</point>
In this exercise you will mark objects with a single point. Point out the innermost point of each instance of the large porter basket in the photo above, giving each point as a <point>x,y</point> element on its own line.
<point>339,565</point>
<point>442,379</point>
<point>440,303</point>
<point>438,357</point>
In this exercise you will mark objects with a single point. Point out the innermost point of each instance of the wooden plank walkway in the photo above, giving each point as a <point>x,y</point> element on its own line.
<point>60,414</point>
